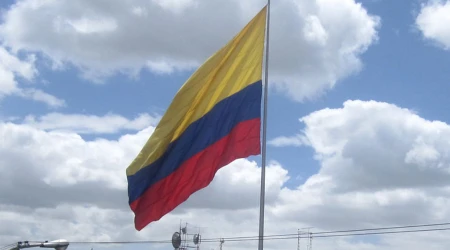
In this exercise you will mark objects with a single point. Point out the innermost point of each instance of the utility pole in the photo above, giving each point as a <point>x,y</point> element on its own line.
<point>299,236</point>
<point>221,243</point>
<point>310,241</point>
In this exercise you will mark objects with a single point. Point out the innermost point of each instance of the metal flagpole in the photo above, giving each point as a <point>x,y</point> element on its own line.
<point>264,129</point>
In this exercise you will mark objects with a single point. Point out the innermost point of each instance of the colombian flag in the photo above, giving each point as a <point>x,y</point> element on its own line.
<point>213,120</point>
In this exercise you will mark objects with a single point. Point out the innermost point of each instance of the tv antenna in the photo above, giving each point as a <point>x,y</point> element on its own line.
<point>181,240</point>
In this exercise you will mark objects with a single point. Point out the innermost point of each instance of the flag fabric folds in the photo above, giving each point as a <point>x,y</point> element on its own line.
<point>214,119</point>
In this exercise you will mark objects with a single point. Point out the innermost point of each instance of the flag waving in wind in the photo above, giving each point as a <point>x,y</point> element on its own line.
<point>214,119</point>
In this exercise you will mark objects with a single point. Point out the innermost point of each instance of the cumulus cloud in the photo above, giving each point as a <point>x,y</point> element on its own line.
<point>313,43</point>
<point>90,124</point>
<point>283,141</point>
<point>41,96</point>
<point>412,150</point>
<point>430,22</point>
<point>12,69</point>
<point>381,165</point>
<point>375,157</point>
<point>59,180</point>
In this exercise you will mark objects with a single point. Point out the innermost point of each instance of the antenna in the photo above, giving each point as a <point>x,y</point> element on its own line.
<point>182,238</point>
<point>176,240</point>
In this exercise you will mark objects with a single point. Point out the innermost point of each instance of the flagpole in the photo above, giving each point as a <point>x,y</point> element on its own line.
<point>264,131</point>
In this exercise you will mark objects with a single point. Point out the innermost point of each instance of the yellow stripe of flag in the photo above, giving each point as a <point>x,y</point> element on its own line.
<point>232,68</point>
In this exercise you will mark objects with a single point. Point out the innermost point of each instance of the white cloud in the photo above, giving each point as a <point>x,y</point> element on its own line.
<point>13,68</point>
<point>88,26</point>
<point>374,157</point>
<point>283,141</point>
<point>313,43</point>
<point>77,188</point>
<point>381,165</point>
<point>430,22</point>
<point>41,96</point>
<point>174,5</point>
<point>90,124</point>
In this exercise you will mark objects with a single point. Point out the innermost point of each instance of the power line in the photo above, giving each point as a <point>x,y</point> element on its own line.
<point>339,231</point>
<point>287,237</point>
<point>384,228</point>
<point>323,234</point>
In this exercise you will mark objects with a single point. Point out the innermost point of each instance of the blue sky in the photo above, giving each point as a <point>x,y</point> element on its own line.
<point>399,58</point>
<point>400,68</point>
<point>397,54</point>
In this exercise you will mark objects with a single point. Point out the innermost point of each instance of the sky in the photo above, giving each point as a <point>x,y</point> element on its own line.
<point>358,129</point>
